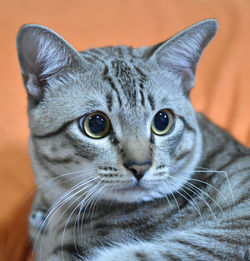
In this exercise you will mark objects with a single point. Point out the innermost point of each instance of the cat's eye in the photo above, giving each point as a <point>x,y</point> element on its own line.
<point>95,125</point>
<point>162,122</point>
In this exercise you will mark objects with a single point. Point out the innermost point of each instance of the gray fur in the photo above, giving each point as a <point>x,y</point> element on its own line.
<point>192,202</point>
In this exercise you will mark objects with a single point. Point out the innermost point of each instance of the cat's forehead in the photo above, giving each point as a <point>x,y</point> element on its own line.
<point>128,85</point>
<point>137,83</point>
<point>127,70</point>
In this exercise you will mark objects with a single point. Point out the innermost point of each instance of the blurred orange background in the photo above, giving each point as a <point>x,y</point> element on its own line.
<point>222,88</point>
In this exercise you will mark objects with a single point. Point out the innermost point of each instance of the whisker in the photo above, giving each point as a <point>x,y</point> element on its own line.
<point>60,202</point>
<point>65,226</point>
<point>84,195</point>
<point>202,191</point>
<point>78,198</point>
<point>93,199</point>
<point>34,191</point>
<point>80,172</point>
<point>83,202</point>
<point>190,201</point>
<point>213,187</point>
<point>87,197</point>
<point>80,204</point>
<point>52,208</point>
<point>220,172</point>
<point>88,201</point>
<point>176,202</point>
<point>93,206</point>
<point>194,190</point>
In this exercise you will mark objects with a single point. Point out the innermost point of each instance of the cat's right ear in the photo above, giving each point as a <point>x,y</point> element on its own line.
<point>181,53</point>
<point>43,54</point>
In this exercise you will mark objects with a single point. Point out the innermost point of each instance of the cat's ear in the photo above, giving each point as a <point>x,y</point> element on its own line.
<point>181,53</point>
<point>43,54</point>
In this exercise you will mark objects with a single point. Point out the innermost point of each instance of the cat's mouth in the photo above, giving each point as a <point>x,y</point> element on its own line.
<point>135,187</point>
<point>133,192</point>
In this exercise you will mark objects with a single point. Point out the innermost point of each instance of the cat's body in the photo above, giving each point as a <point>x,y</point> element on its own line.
<point>137,191</point>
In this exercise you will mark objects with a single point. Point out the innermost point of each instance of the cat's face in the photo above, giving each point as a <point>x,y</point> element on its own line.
<point>115,135</point>
<point>114,116</point>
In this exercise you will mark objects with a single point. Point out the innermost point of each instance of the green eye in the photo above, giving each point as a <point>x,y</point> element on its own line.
<point>162,122</point>
<point>95,125</point>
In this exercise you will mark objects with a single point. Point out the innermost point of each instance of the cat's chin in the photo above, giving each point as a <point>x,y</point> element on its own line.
<point>132,195</point>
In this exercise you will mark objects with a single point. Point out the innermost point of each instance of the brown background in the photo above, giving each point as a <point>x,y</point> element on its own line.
<point>222,89</point>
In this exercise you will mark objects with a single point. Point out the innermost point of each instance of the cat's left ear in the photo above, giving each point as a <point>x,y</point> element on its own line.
<point>43,55</point>
<point>181,53</point>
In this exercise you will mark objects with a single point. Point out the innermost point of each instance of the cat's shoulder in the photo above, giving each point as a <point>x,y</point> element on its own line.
<point>215,136</point>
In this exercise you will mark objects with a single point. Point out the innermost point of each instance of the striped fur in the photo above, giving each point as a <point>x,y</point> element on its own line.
<point>191,204</point>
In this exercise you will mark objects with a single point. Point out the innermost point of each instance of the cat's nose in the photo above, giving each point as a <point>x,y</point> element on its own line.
<point>138,168</point>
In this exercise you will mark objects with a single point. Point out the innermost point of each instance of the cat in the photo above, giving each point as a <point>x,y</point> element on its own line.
<point>125,168</point>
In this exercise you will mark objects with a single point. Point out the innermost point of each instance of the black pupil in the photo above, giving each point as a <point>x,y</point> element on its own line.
<point>161,121</point>
<point>97,124</point>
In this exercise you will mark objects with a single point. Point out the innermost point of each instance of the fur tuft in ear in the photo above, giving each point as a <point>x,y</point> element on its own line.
<point>181,53</point>
<point>42,53</point>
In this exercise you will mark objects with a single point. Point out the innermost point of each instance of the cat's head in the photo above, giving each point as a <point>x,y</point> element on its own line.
<point>119,119</point>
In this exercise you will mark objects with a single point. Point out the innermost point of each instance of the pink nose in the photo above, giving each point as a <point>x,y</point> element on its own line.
<point>139,168</point>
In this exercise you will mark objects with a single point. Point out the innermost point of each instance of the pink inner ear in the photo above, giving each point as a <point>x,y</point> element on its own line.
<point>181,53</point>
<point>43,52</point>
<point>42,55</point>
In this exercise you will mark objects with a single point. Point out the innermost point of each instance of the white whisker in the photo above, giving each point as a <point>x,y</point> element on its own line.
<point>80,172</point>
<point>213,187</point>
<point>65,226</point>
<point>190,201</point>
<point>87,198</point>
<point>194,190</point>
<point>60,202</point>
<point>204,192</point>
<point>220,172</point>
<point>85,205</point>
<point>176,202</point>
